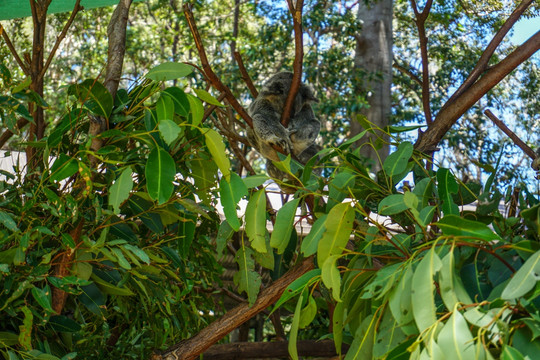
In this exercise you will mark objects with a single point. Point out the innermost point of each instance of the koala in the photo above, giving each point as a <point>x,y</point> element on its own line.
<point>266,112</point>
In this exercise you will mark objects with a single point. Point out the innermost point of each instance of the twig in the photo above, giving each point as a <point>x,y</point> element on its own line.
<point>214,79</point>
<point>61,37</point>
<point>14,51</point>
<point>6,135</point>
<point>245,75</point>
<point>526,149</point>
<point>490,49</point>
<point>298,57</point>
<point>402,69</point>
<point>210,109</point>
<point>420,24</point>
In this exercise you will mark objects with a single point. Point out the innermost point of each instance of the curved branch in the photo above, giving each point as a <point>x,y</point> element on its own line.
<point>190,349</point>
<point>245,75</point>
<point>14,51</point>
<point>427,142</point>
<point>298,57</point>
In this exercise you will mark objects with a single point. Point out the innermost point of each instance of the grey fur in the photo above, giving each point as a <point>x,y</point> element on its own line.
<point>266,112</point>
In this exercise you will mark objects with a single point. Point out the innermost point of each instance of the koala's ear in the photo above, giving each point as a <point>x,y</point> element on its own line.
<point>308,94</point>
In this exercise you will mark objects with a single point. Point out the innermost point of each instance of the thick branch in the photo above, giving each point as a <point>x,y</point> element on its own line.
<point>490,49</point>
<point>266,350</point>
<point>61,37</point>
<point>428,141</point>
<point>297,65</point>
<point>526,149</point>
<point>214,79</point>
<point>245,75</point>
<point>14,51</point>
<point>192,348</point>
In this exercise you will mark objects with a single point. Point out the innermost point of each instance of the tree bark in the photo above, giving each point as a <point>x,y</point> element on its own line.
<point>190,349</point>
<point>267,350</point>
<point>374,56</point>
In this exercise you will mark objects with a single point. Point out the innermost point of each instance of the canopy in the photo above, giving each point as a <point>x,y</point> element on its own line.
<point>12,9</point>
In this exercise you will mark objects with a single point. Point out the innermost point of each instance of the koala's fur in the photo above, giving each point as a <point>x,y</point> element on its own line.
<point>266,112</point>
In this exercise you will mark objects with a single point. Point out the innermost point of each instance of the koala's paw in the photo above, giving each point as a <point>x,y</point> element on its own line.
<point>281,142</point>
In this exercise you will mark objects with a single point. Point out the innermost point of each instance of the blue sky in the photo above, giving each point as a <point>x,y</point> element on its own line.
<point>524,29</point>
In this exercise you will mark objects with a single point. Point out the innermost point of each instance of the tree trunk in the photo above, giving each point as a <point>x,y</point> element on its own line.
<point>374,58</point>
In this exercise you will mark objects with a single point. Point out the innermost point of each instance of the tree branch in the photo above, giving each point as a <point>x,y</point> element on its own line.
<point>190,349</point>
<point>214,79</point>
<point>490,49</point>
<point>61,37</point>
<point>420,24</point>
<point>245,75</point>
<point>427,142</point>
<point>526,149</point>
<point>402,69</point>
<point>297,65</point>
<point>14,51</point>
<point>275,349</point>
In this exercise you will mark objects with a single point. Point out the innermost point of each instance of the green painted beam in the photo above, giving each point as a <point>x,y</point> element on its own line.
<point>13,9</point>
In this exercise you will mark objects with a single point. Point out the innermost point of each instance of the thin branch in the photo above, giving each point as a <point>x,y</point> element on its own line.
<point>482,64</point>
<point>427,142</point>
<point>6,135</point>
<point>191,349</point>
<point>214,79</point>
<point>245,75</point>
<point>61,37</point>
<point>420,24</point>
<point>526,149</point>
<point>14,51</point>
<point>298,57</point>
<point>402,69</point>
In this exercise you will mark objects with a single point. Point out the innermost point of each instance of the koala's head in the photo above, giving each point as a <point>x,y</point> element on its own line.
<point>279,85</point>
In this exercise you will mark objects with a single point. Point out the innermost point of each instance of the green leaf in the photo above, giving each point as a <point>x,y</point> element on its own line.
<point>93,299</point>
<point>426,215</point>
<point>509,353</point>
<point>204,174</point>
<point>396,162</point>
<point>180,100</point>
<point>231,192</point>
<point>308,312</point>
<point>255,180</point>
<point>137,252</point>
<point>95,96</point>
<point>43,297</point>
<point>364,337</point>
<point>165,108</point>
<point>450,286</point>
<point>458,226</point>
<point>331,277</point>
<point>339,188</point>
<point>447,185</point>
<point>247,279</point>
<point>524,279</point>
<point>400,300</point>
<point>256,221</point>
<point>311,241</point>
<point>7,221</point>
<point>424,190</point>
<point>297,286</point>
<point>68,241</point>
<point>293,333</point>
<point>225,232</point>
<point>206,97</point>
<point>64,324</point>
<point>120,190</point>
<point>215,145</point>
<point>63,167</point>
<point>160,172</point>
<point>392,204</point>
<point>455,340</point>
<point>284,226</point>
<point>108,288</point>
<point>25,335</point>
<point>8,339</point>
<point>122,261</point>
<point>169,131</point>
<point>169,71</point>
<point>338,226</point>
<point>197,110</point>
<point>423,288</point>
